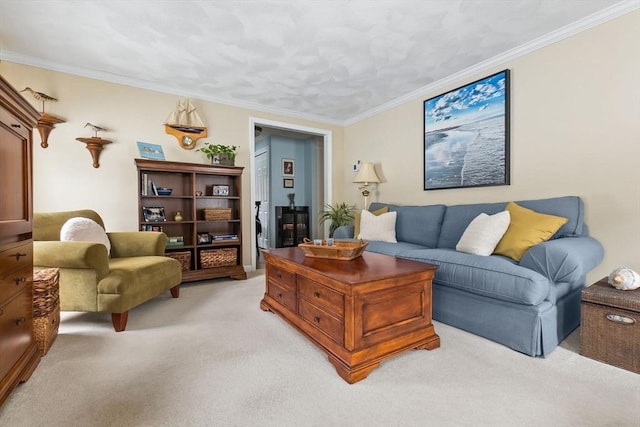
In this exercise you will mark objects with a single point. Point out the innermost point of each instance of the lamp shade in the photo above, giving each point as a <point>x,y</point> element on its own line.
<point>367,174</point>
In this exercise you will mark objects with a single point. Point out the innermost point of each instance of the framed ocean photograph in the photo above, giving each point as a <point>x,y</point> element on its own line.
<point>150,151</point>
<point>466,135</point>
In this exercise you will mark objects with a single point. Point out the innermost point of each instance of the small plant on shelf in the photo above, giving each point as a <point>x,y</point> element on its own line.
<point>339,214</point>
<point>219,154</point>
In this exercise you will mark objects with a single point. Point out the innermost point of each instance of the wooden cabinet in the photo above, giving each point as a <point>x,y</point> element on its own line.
<point>207,235</point>
<point>19,354</point>
<point>292,225</point>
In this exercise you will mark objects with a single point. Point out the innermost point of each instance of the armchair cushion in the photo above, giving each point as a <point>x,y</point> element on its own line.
<point>80,229</point>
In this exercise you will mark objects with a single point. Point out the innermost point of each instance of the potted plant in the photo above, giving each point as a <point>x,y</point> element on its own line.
<point>219,154</point>
<point>339,214</point>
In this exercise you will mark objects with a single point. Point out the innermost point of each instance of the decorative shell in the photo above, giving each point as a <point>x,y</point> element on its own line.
<point>625,279</point>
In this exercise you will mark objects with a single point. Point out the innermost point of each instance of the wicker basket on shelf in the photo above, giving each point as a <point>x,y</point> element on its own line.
<point>214,214</point>
<point>46,307</point>
<point>211,258</point>
<point>183,257</point>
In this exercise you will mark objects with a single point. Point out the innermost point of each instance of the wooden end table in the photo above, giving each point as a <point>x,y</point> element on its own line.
<point>360,312</point>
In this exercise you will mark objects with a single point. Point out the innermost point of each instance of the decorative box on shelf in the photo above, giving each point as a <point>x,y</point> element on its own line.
<point>217,214</point>
<point>175,241</point>
<point>222,257</point>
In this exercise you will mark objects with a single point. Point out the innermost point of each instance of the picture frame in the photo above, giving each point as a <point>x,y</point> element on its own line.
<point>287,182</point>
<point>220,190</point>
<point>150,151</point>
<point>204,238</point>
<point>288,167</point>
<point>153,214</point>
<point>466,135</point>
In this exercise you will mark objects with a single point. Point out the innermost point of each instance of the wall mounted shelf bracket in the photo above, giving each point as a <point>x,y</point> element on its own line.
<point>95,145</point>
<point>46,123</point>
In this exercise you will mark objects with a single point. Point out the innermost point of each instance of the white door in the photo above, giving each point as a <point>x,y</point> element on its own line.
<point>262,196</point>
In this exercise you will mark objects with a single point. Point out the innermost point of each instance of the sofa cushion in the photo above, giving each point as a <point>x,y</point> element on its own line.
<point>80,229</point>
<point>527,228</point>
<point>457,217</point>
<point>392,249</point>
<point>483,233</point>
<point>378,227</point>
<point>417,224</point>
<point>493,276</point>
<point>358,215</point>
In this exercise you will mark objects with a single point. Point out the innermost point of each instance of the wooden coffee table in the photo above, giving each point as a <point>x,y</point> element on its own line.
<point>360,312</point>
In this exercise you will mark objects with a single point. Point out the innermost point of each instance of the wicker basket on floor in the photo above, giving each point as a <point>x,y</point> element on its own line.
<point>46,307</point>
<point>183,257</point>
<point>211,258</point>
<point>216,214</point>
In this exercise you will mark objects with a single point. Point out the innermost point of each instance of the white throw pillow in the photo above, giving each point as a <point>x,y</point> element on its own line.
<point>483,233</point>
<point>80,229</point>
<point>378,227</point>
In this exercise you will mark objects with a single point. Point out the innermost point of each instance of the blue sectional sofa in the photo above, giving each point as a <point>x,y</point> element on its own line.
<point>530,305</point>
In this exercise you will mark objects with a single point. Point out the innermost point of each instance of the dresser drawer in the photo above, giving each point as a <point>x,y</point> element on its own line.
<point>322,320</point>
<point>15,258</point>
<point>281,277</point>
<point>16,281</point>
<point>283,295</point>
<point>16,325</point>
<point>321,296</point>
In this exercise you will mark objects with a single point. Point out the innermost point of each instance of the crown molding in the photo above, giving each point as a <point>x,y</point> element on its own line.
<point>581,25</point>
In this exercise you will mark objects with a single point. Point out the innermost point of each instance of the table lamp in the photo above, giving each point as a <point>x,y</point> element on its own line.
<point>366,175</point>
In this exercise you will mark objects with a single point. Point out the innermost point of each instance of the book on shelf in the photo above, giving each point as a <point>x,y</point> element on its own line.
<point>144,184</point>
<point>225,237</point>
<point>175,241</point>
<point>154,188</point>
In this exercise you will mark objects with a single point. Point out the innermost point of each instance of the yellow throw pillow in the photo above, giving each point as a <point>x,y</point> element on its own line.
<point>526,229</point>
<point>356,219</point>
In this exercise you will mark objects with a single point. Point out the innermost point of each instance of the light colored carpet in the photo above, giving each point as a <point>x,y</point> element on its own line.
<point>213,358</point>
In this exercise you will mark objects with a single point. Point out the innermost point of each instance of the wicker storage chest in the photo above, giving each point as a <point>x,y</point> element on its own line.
<point>211,258</point>
<point>183,256</point>
<point>46,307</point>
<point>610,329</point>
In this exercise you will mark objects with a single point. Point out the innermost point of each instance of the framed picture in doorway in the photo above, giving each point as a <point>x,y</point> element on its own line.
<point>466,135</point>
<point>288,167</point>
<point>287,183</point>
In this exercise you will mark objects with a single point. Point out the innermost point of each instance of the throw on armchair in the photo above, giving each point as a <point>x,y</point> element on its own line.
<point>93,280</point>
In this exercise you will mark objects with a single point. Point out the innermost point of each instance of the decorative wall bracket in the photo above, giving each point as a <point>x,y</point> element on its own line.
<point>95,145</point>
<point>46,123</point>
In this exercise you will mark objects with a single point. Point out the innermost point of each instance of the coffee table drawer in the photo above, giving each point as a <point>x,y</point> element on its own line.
<point>282,277</point>
<point>321,296</point>
<point>282,295</point>
<point>322,321</point>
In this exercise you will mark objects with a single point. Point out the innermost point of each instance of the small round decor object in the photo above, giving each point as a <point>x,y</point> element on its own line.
<point>178,216</point>
<point>624,278</point>
<point>163,191</point>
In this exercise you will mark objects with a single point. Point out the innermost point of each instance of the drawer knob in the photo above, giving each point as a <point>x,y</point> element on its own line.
<point>316,319</point>
<point>19,280</point>
<point>280,295</point>
<point>18,255</point>
<point>316,294</point>
<point>20,320</point>
<point>620,319</point>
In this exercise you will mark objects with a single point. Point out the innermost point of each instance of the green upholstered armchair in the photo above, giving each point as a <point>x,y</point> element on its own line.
<point>92,280</point>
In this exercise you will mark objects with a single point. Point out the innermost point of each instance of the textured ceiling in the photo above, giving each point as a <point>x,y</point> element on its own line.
<point>332,60</point>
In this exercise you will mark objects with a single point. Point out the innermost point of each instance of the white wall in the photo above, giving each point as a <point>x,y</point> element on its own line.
<point>63,175</point>
<point>575,130</point>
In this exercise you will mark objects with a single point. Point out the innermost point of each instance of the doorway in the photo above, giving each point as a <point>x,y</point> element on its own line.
<point>262,173</point>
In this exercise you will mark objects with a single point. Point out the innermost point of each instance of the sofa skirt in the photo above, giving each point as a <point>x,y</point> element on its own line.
<point>532,330</point>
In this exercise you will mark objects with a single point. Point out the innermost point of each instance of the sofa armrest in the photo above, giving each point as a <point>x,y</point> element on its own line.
<point>137,243</point>
<point>568,259</point>
<point>86,255</point>
<point>344,232</point>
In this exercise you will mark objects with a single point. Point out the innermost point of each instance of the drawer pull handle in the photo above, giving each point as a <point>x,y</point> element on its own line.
<point>19,280</point>
<point>1,312</point>
<point>620,319</point>
<point>316,319</point>
<point>20,320</point>
<point>18,255</point>
<point>316,294</point>
<point>279,295</point>
<point>14,125</point>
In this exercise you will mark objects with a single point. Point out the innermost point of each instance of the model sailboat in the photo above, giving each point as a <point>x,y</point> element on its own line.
<point>186,125</point>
